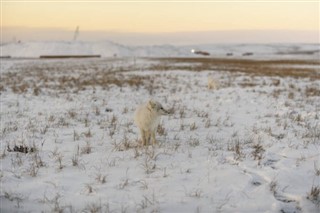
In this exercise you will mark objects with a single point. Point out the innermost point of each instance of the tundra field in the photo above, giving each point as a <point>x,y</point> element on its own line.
<point>69,144</point>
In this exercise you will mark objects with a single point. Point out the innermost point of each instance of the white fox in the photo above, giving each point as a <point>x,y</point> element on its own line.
<point>147,118</point>
<point>212,84</point>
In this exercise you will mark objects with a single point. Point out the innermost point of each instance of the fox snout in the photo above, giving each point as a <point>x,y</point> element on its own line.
<point>164,111</point>
<point>157,107</point>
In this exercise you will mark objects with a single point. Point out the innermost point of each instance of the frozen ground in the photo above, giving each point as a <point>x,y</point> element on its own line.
<point>68,142</point>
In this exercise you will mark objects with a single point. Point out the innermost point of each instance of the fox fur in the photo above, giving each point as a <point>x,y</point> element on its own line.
<point>147,118</point>
<point>212,84</point>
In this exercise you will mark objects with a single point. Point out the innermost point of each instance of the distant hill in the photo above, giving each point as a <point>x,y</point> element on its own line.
<point>111,49</point>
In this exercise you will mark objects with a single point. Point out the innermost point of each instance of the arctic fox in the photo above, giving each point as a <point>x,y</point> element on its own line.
<point>212,84</point>
<point>147,118</point>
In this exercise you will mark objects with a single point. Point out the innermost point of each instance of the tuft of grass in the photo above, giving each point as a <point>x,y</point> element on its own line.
<point>86,122</point>
<point>312,91</point>
<point>87,148</point>
<point>88,134</point>
<point>125,110</point>
<point>236,148</point>
<point>18,198</point>
<point>100,178</point>
<point>193,126</point>
<point>257,152</point>
<point>33,170</point>
<point>72,114</point>
<point>59,161</point>
<point>316,170</point>
<point>75,157</point>
<point>182,112</point>
<point>37,160</point>
<point>148,201</point>
<point>314,195</point>
<point>3,154</point>
<point>144,184</point>
<point>207,123</point>
<point>193,142</point>
<point>195,193</point>
<point>96,111</point>
<point>124,145</point>
<point>113,119</point>
<point>93,208</point>
<point>76,136</point>
<point>89,188</point>
<point>125,181</point>
<point>148,165</point>
<point>273,186</point>
<point>161,130</point>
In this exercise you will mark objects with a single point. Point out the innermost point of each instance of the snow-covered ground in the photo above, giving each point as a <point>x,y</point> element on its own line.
<point>110,49</point>
<point>252,145</point>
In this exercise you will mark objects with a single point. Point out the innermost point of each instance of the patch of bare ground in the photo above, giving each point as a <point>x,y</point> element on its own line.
<point>282,68</point>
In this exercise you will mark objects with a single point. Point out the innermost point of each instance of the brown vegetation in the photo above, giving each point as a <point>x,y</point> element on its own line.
<point>66,77</point>
<point>280,68</point>
<point>75,76</point>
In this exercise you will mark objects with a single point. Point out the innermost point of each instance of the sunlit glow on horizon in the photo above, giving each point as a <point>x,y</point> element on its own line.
<point>160,17</point>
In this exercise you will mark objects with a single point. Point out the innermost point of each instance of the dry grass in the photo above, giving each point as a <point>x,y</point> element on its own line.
<point>314,195</point>
<point>63,77</point>
<point>312,91</point>
<point>257,67</point>
<point>65,83</point>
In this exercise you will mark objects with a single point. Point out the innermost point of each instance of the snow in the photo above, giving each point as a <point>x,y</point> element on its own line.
<point>87,157</point>
<point>103,48</point>
<point>110,49</point>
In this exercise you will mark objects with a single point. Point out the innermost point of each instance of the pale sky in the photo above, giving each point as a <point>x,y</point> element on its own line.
<point>29,20</point>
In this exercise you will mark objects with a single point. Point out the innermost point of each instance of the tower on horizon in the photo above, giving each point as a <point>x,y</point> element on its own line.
<point>76,34</point>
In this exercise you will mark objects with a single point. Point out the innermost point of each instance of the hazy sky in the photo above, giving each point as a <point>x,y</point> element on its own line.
<point>222,21</point>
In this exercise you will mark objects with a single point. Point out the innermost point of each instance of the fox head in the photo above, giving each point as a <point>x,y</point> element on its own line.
<point>157,107</point>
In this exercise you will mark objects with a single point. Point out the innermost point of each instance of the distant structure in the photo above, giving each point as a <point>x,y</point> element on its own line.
<point>76,34</point>
<point>69,56</point>
<point>247,54</point>
<point>198,52</point>
<point>15,41</point>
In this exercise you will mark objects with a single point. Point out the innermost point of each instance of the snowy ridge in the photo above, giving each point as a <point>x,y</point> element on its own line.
<point>104,48</point>
<point>110,49</point>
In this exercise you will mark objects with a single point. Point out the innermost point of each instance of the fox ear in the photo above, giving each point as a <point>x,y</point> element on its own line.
<point>151,103</point>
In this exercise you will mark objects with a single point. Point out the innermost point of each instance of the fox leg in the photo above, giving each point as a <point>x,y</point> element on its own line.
<point>153,137</point>
<point>143,137</point>
<point>147,137</point>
